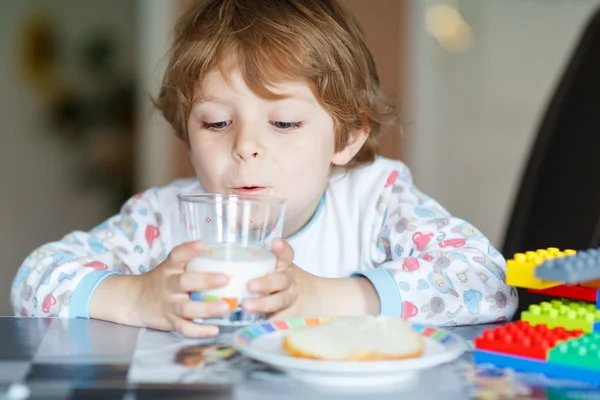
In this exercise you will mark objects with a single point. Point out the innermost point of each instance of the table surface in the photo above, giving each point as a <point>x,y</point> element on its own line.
<point>87,359</point>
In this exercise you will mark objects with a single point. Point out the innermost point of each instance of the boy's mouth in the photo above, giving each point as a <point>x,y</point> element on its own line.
<point>249,189</point>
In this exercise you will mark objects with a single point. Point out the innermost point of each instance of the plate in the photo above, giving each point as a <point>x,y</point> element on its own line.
<point>262,342</point>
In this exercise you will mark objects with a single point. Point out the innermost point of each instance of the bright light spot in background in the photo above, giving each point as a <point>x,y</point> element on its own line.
<point>448,27</point>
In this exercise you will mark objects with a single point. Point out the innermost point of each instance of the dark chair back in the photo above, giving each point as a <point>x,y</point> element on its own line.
<point>558,203</point>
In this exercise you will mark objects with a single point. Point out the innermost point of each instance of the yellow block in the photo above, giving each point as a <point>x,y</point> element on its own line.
<point>520,271</point>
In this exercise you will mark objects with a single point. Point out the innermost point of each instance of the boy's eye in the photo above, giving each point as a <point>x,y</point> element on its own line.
<point>216,126</point>
<point>286,125</point>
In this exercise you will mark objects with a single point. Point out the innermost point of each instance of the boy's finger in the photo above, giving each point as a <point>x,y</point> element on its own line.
<point>189,309</point>
<point>269,304</point>
<point>192,281</point>
<point>194,330</point>
<point>271,283</point>
<point>185,252</point>
<point>283,251</point>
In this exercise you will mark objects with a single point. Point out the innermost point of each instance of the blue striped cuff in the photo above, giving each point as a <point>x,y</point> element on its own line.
<point>390,299</point>
<point>80,299</point>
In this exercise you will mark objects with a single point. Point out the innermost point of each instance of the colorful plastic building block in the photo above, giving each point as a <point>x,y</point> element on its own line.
<point>583,352</point>
<point>522,339</point>
<point>581,267</point>
<point>520,271</point>
<point>571,315</point>
<point>574,292</point>
<point>526,364</point>
<point>591,284</point>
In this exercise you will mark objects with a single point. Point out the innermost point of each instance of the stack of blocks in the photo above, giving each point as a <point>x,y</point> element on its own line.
<point>560,338</point>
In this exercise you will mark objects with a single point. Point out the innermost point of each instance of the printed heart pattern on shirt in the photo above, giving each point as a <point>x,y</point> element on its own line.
<point>392,178</point>
<point>152,233</point>
<point>48,303</point>
<point>409,310</point>
<point>411,264</point>
<point>97,265</point>
<point>421,240</point>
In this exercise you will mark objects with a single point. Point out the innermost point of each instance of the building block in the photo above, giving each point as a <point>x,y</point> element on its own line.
<point>571,315</point>
<point>522,339</point>
<point>574,292</point>
<point>525,364</point>
<point>562,393</point>
<point>581,267</point>
<point>583,352</point>
<point>591,284</point>
<point>520,271</point>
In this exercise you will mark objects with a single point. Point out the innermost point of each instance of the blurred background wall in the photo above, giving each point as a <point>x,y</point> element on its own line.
<point>78,135</point>
<point>476,112</point>
<point>47,186</point>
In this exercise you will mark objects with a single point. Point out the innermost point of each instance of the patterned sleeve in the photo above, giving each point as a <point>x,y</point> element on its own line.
<point>431,267</point>
<point>59,278</point>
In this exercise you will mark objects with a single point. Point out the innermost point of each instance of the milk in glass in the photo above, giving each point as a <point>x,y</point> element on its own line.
<point>241,264</point>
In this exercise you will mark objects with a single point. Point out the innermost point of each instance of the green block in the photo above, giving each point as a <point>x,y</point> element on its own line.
<point>439,335</point>
<point>567,394</point>
<point>571,315</point>
<point>210,299</point>
<point>583,352</point>
<point>296,323</point>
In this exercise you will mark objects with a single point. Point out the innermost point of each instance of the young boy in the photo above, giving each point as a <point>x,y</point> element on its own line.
<point>277,97</point>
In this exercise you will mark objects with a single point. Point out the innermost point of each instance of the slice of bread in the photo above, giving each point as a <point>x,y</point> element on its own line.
<point>365,338</point>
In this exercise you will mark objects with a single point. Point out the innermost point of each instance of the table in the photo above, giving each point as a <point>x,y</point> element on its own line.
<point>89,359</point>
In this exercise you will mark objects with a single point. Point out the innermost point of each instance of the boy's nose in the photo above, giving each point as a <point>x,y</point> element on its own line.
<point>247,148</point>
<point>244,156</point>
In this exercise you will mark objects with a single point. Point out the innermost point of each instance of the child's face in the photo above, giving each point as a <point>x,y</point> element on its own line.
<point>243,143</point>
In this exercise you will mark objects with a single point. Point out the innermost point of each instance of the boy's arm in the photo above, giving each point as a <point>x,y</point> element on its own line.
<point>431,267</point>
<point>59,278</point>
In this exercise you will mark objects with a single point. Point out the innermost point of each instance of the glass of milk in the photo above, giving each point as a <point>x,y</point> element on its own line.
<point>237,231</point>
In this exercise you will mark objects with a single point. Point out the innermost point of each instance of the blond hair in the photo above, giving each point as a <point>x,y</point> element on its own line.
<point>316,41</point>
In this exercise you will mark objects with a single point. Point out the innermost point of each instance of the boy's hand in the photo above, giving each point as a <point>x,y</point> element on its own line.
<point>311,299</point>
<point>164,301</point>
<point>279,289</point>
<point>289,292</point>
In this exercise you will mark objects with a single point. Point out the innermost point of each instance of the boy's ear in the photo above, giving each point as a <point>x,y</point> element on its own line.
<point>356,139</point>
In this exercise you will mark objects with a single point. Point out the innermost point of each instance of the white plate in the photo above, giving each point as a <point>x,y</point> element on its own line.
<point>262,342</point>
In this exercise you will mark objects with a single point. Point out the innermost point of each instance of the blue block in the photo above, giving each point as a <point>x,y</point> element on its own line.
<point>596,327</point>
<point>581,267</point>
<point>537,366</point>
<point>195,296</point>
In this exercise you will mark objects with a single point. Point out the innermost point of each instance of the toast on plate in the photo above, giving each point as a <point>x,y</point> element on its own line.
<point>365,338</point>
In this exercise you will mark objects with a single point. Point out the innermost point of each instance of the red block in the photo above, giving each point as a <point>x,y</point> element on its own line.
<point>574,292</point>
<point>522,339</point>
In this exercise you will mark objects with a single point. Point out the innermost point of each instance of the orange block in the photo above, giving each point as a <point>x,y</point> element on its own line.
<point>232,301</point>
<point>312,321</point>
<point>591,284</point>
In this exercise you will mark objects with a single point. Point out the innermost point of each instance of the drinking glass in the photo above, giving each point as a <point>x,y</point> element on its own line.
<point>237,231</point>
